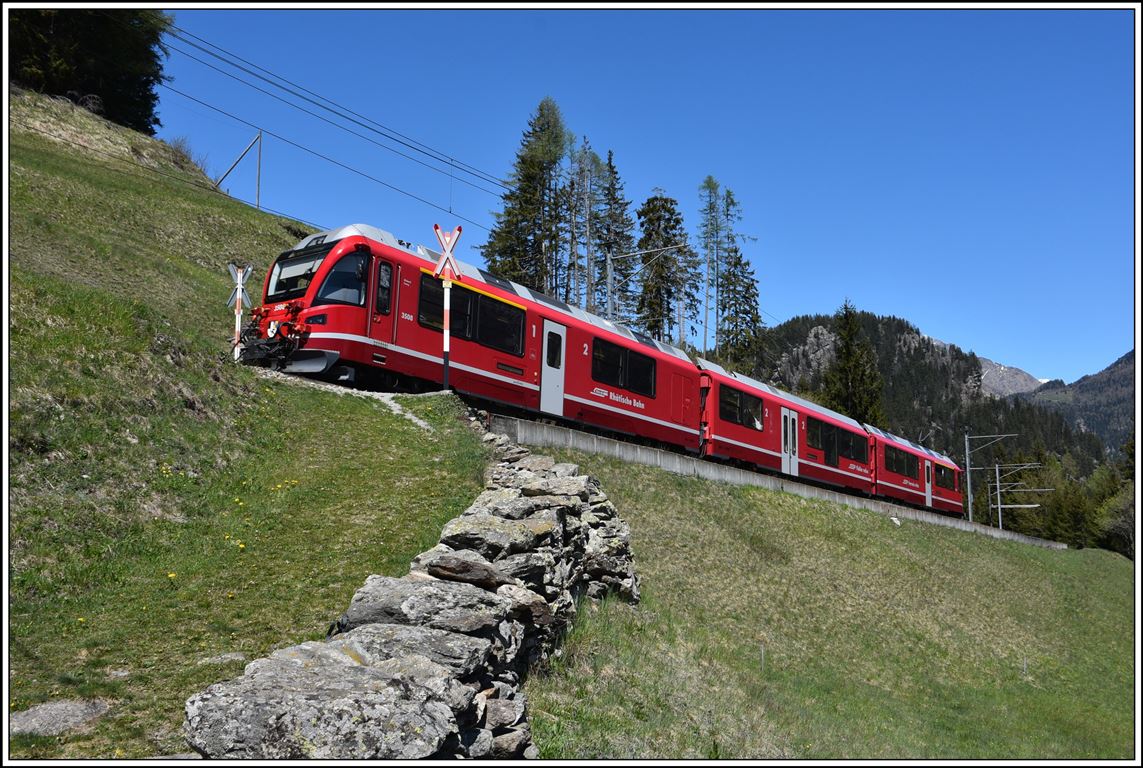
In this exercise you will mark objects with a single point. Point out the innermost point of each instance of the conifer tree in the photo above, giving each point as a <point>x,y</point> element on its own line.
<point>582,211</point>
<point>615,236</point>
<point>666,273</point>
<point>524,244</point>
<point>711,242</point>
<point>853,385</point>
<point>741,326</point>
<point>111,59</point>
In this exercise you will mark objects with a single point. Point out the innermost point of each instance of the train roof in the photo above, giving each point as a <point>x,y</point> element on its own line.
<point>802,403</point>
<point>508,286</point>
<point>910,444</point>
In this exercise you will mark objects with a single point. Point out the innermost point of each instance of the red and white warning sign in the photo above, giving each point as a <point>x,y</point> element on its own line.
<point>446,268</point>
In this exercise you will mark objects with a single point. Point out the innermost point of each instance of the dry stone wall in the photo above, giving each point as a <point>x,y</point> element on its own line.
<point>430,664</point>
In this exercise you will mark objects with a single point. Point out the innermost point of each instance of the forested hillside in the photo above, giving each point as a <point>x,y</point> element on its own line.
<point>931,393</point>
<point>1103,402</point>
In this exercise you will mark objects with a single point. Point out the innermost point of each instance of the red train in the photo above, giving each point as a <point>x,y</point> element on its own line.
<point>357,301</point>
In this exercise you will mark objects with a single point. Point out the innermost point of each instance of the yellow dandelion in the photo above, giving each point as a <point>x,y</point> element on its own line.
<point>241,545</point>
<point>229,595</point>
<point>81,619</point>
<point>227,537</point>
<point>171,575</point>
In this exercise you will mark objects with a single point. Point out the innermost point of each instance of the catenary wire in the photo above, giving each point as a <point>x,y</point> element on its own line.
<point>328,159</point>
<point>389,133</point>
<point>335,124</point>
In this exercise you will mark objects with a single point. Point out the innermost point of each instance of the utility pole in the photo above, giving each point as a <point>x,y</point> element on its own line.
<point>1012,487</point>
<point>968,461</point>
<point>258,190</point>
<point>611,281</point>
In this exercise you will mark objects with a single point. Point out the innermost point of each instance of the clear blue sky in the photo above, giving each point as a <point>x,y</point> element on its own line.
<point>970,171</point>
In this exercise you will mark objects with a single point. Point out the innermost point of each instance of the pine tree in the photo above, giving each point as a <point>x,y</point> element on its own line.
<point>524,244</point>
<point>109,59</point>
<point>853,384</point>
<point>615,236</point>
<point>665,270</point>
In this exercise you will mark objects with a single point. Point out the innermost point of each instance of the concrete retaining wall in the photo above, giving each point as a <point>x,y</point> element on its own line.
<point>534,433</point>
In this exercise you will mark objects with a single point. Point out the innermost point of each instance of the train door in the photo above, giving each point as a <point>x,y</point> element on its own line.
<point>928,483</point>
<point>381,315</point>
<point>790,442</point>
<point>552,368</point>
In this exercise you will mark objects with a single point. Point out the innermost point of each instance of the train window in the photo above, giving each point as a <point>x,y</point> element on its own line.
<point>500,326</point>
<point>291,274</point>
<point>813,433</point>
<point>555,349</point>
<point>945,477</point>
<point>344,283</point>
<point>641,374</point>
<point>430,311</point>
<point>740,408</point>
<point>384,286</point>
<point>607,362</point>
<point>751,411</point>
<point>727,404</point>
<point>853,445</point>
<point>900,462</point>
<point>621,367</point>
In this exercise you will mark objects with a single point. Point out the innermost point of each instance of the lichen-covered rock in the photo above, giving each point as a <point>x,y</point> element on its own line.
<point>448,605</point>
<point>55,717</point>
<point>464,656</point>
<point>527,605</point>
<point>464,565</point>
<point>281,709</point>
<point>491,536</point>
<point>575,485</point>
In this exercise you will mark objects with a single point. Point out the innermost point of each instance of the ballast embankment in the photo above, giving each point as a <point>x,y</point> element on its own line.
<point>430,664</point>
<point>527,432</point>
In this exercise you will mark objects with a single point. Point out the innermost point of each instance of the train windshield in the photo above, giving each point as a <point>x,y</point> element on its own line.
<point>293,271</point>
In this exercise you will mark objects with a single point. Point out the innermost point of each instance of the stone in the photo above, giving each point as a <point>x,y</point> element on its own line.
<point>536,463</point>
<point>565,470</point>
<point>490,536</point>
<point>519,508</point>
<point>464,565</point>
<point>527,605</point>
<point>511,744</point>
<point>55,717</point>
<point>448,605</point>
<point>575,485</point>
<point>532,568</point>
<point>464,656</point>
<point>503,713</point>
<point>476,743</point>
<point>281,709</point>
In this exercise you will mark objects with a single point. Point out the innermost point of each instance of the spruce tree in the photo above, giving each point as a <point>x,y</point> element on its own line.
<point>524,244</point>
<point>853,384</point>
<point>741,327</point>
<point>615,236</point>
<point>666,273</point>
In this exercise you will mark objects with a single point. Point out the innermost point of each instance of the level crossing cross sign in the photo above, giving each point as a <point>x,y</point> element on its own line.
<point>446,268</point>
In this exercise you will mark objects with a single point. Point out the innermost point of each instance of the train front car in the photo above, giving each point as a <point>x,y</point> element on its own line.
<point>321,287</point>
<point>915,474</point>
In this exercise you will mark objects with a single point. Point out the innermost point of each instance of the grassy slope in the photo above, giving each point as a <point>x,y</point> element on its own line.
<point>777,626</point>
<point>138,451</point>
<point>166,505</point>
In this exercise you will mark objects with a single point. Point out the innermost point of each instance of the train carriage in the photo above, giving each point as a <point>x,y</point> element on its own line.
<point>915,474</point>
<point>749,421</point>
